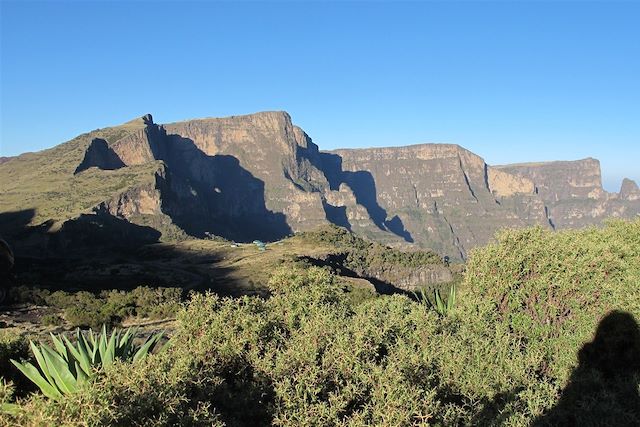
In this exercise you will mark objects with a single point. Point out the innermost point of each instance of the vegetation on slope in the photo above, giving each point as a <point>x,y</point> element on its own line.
<point>108,307</point>
<point>365,254</point>
<point>543,332</point>
<point>45,180</point>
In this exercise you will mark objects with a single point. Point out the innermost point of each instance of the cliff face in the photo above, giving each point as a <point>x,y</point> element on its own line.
<point>573,194</point>
<point>439,196</point>
<point>556,181</point>
<point>261,177</point>
<point>277,154</point>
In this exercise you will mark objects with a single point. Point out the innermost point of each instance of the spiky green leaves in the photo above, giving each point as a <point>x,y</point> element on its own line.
<point>442,306</point>
<point>63,370</point>
<point>445,307</point>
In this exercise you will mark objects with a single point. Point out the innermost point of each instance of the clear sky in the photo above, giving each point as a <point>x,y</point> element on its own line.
<point>511,81</point>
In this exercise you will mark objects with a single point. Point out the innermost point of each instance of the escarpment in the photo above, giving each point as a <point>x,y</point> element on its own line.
<point>259,176</point>
<point>573,194</point>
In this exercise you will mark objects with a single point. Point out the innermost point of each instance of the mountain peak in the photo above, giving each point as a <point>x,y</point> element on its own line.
<point>141,121</point>
<point>629,190</point>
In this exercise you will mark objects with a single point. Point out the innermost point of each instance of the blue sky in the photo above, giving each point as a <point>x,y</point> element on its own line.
<point>511,81</point>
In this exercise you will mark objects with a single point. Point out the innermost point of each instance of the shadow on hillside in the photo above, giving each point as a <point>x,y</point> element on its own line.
<point>98,251</point>
<point>337,263</point>
<point>363,186</point>
<point>336,215</point>
<point>214,194</point>
<point>603,389</point>
<point>156,265</point>
<point>102,232</point>
<point>95,233</point>
<point>100,155</point>
<point>14,224</point>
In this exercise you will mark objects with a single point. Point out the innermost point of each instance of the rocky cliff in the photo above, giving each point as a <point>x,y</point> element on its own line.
<point>572,192</point>
<point>261,177</point>
<point>440,196</point>
<point>629,190</point>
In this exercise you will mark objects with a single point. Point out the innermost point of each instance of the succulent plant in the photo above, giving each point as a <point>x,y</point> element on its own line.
<point>440,305</point>
<point>65,367</point>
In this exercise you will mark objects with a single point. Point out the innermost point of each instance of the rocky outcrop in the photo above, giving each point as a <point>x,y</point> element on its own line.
<point>629,190</point>
<point>503,184</point>
<point>279,156</point>
<point>436,195</point>
<point>411,278</point>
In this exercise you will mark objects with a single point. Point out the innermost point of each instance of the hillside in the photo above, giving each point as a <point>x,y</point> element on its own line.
<point>261,177</point>
<point>97,287</point>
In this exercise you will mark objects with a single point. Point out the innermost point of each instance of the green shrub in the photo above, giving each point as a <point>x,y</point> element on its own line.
<point>358,294</point>
<point>52,320</point>
<point>157,303</point>
<point>442,305</point>
<point>362,254</point>
<point>88,310</point>
<point>538,296</point>
<point>552,289</point>
<point>7,390</point>
<point>13,345</point>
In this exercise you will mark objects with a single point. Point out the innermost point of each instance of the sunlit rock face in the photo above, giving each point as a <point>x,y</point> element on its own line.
<point>573,194</point>
<point>437,195</point>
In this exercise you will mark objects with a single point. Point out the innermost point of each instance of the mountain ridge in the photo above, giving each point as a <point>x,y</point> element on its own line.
<point>261,176</point>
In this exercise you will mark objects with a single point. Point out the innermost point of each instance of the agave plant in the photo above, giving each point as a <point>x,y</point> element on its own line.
<point>444,307</point>
<point>441,306</point>
<point>63,369</point>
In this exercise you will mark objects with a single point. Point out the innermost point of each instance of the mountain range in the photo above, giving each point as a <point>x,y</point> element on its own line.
<point>259,176</point>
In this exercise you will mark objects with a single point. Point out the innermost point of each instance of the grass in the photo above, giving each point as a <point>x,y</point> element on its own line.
<point>51,186</point>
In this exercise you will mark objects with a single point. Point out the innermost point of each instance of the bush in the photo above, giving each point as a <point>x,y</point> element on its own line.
<point>552,289</point>
<point>538,296</point>
<point>13,345</point>
<point>109,307</point>
<point>364,255</point>
<point>69,366</point>
<point>52,320</point>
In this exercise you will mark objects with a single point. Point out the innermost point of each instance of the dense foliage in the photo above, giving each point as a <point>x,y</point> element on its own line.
<point>543,295</point>
<point>12,346</point>
<point>363,254</point>
<point>109,307</point>
<point>542,332</point>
